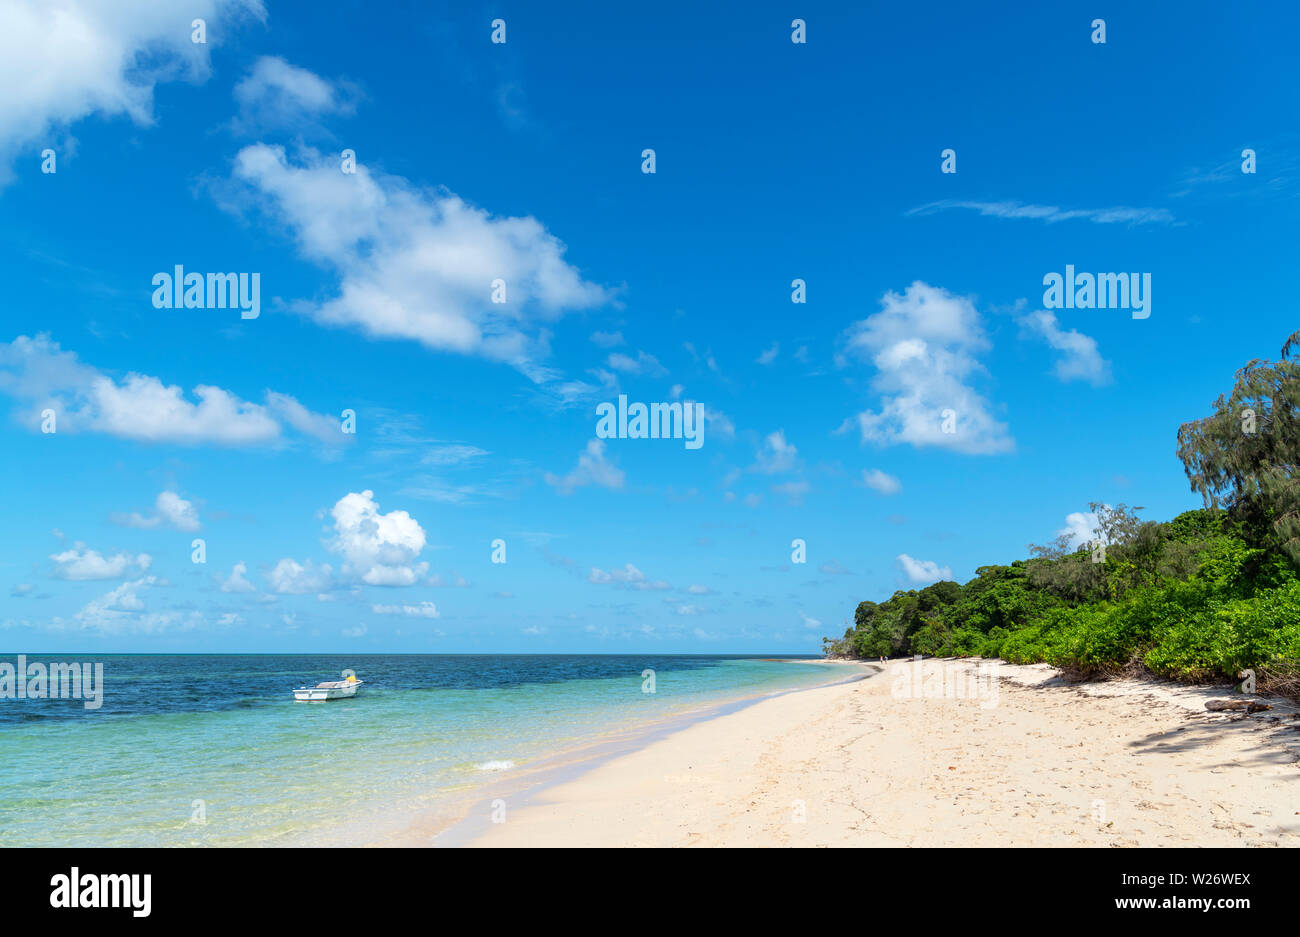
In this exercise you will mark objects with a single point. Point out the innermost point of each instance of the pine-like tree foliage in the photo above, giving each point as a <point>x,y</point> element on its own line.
<point>1244,456</point>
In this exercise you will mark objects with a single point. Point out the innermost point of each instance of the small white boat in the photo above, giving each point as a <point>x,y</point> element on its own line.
<point>334,689</point>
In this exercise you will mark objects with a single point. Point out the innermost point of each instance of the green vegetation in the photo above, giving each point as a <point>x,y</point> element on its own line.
<point>1201,597</point>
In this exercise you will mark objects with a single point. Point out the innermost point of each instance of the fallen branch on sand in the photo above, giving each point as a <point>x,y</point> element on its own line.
<point>1244,705</point>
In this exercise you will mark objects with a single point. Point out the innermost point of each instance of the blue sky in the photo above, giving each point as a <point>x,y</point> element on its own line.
<point>522,161</point>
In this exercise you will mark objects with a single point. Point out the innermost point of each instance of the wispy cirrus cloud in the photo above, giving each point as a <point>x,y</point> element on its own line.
<point>793,491</point>
<point>1276,169</point>
<point>1051,214</point>
<point>425,487</point>
<point>452,454</point>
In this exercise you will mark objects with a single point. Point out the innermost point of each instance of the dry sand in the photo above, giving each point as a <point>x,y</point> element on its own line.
<point>1020,758</point>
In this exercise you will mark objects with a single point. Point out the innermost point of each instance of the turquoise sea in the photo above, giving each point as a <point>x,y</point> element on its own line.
<point>211,750</point>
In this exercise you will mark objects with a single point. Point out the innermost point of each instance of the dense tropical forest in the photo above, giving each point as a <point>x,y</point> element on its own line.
<point>1200,597</point>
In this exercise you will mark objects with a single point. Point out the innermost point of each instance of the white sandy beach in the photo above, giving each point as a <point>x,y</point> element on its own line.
<point>1024,759</point>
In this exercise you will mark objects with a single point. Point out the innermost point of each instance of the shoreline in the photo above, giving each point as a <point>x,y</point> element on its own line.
<point>520,790</point>
<point>453,818</point>
<point>940,752</point>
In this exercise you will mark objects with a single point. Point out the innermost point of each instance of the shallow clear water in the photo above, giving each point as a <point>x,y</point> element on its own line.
<point>224,730</point>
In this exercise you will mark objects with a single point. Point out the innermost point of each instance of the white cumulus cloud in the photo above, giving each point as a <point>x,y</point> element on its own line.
<point>415,263</point>
<point>236,581</point>
<point>40,375</point>
<point>64,61</point>
<point>169,509</point>
<point>1081,527</point>
<point>592,469</point>
<point>379,549</point>
<point>919,571</point>
<point>423,610</point>
<point>1079,359</point>
<point>882,482</point>
<point>776,454</point>
<point>629,577</point>
<point>643,363</point>
<point>923,344</point>
<point>289,577</point>
<point>277,94</point>
<point>122,611</point>
<point>80,563</point>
